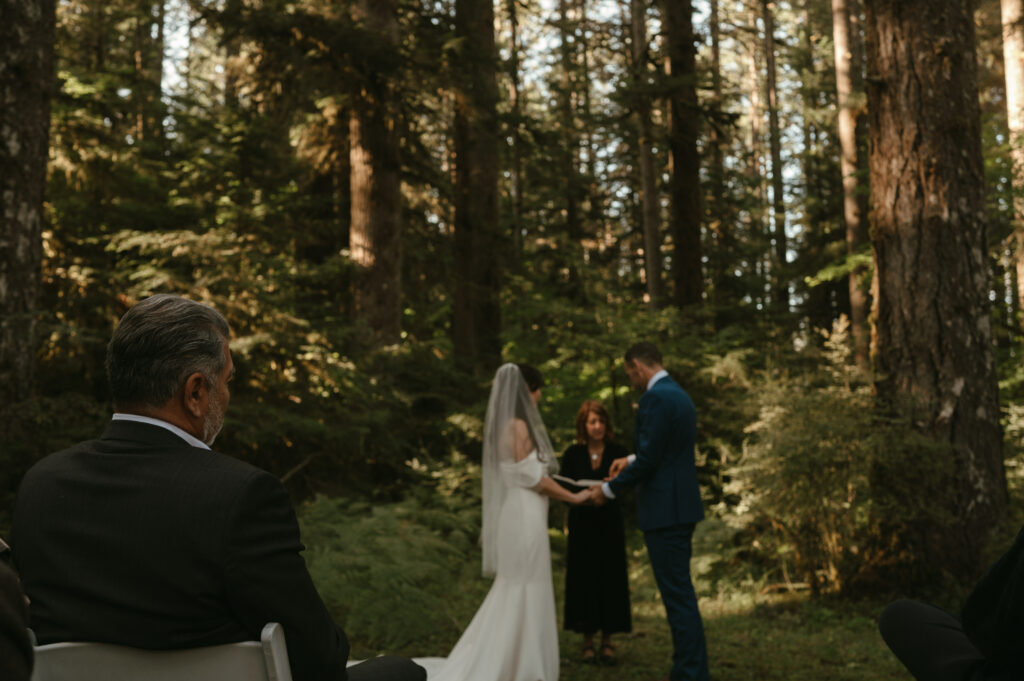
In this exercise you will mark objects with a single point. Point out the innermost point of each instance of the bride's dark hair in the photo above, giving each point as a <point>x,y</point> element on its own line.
<point>532,376</point>
<point>534,380</point>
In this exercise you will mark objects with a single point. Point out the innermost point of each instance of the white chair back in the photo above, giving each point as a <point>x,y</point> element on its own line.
<point>266,660</point>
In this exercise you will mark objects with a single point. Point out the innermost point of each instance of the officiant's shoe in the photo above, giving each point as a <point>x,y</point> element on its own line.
<point>608,655</point>
<point>589,656</point>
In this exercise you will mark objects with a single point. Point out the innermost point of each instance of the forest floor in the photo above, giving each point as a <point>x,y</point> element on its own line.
<point>751,636</point>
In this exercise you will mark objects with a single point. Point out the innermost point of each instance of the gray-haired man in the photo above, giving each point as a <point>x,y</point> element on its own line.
<point>146,538</point>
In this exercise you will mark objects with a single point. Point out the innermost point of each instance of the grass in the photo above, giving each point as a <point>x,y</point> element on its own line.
<point>751,636</point>
<point>755,632</point>
<point>776,637</point>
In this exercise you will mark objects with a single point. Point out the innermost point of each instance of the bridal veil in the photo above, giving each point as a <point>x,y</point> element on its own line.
<point>510,400</point>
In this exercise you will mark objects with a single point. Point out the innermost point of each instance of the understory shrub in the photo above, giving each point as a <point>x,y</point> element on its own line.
<point>399,577</point>
<point>835,483</point>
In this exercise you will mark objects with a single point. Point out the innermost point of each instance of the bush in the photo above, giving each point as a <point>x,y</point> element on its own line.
<point>836,483</point>
<point>403,577</point>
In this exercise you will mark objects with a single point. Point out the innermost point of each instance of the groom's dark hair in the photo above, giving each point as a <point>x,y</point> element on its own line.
<point>645,352</point>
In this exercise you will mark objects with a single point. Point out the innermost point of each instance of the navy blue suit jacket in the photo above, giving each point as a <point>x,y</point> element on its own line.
<point>664,471</point>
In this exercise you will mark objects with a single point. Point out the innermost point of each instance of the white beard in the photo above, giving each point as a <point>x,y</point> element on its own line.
<point>214,420</point>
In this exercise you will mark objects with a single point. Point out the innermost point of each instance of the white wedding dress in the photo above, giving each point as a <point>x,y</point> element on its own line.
<point>514,635</point>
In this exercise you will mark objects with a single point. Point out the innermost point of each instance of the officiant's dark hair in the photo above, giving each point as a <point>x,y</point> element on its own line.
<point>532,376</point>
<point>645,352</point>
<point>159,343</point>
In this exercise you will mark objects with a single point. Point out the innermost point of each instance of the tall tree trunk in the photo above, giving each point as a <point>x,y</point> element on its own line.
<point>98,34</point>
<point>648,178</point>
<point>232,61</point>
<point>719,222</point>
<point>684,179</point>
<point>595,206</point>
<point>26,82</point>
<point>140,87</point>
<point>476,325</point>
<point>517,152</point>
<point>159,46</point>
<point>818,305</point>
<point>780,284</point>
<point>148,57</point>
<point>570,140</point>
<point>1013,60</point>
<point>375,234</point>
<point>853,162</point>
<point>755,172</point>
<point>933,331</point>
<point>1013,288</point>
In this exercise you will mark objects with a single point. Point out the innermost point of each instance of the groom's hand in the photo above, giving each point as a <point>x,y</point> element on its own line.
<point>597,497</point>
<point>616,467</point>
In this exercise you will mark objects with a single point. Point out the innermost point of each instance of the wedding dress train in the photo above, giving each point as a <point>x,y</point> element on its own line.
<point>514,634</point>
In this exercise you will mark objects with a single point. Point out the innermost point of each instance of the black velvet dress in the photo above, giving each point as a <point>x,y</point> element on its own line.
<point>596,580</point>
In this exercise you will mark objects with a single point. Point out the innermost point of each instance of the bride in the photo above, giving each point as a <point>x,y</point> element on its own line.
<point>513,636</point>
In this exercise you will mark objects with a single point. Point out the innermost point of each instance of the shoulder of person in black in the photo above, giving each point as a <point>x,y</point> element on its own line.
<point>993,615</point>
<point>15,647</point>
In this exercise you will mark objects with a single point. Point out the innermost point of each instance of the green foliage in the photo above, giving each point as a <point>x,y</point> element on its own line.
<point>843,268</point>
<point>240,197</point>
<point>396,576</point>
<point>404,578</point>
<point>837,485</point>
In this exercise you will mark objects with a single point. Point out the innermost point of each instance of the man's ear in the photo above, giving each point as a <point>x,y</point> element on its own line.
<point>195,395</point>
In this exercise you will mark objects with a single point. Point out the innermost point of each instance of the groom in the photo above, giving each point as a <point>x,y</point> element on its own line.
<point>668,499</point>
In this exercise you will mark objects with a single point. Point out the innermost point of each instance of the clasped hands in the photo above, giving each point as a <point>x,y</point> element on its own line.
<point>594,495</point>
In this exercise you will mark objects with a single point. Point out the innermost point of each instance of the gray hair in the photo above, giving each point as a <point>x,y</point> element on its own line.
<point>159,343</point>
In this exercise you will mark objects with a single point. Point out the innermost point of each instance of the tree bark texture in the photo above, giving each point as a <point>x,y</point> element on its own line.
<point>147,85</point>
<point>26,82</point>
<point>932,341</point>
<point>755,173</point>
<point>780,285</point>
<point>477,314</point>
<point>650,200</point>
<point>375,235</point>
<point>1013,61</point>
<point>571,146</point>
<point>720,222</point>
<point>516,125</point>
<point>684,127</point>
<point>853,161</point>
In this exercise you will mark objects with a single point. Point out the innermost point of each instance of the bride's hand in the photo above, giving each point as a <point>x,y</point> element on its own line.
<point>580,498</point>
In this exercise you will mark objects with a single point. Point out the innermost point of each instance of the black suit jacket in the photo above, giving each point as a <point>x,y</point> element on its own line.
<point>142,540</point>
<point>15,649</point>
<point>993,615</point>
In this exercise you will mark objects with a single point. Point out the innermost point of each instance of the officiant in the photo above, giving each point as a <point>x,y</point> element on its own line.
<point>596,579</point>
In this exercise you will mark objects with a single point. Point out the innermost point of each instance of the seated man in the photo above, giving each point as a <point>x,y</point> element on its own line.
<point>15,649</point>
<point>146,538</point>
<point>986,643</point>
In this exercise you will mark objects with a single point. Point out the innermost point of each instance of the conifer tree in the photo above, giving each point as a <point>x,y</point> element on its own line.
<point>26,81</point>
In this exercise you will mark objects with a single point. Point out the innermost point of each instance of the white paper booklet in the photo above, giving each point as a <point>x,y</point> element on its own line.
<point>579,483</point>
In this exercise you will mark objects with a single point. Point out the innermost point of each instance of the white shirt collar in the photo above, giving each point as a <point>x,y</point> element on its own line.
<point>187,437</point>
<point>656,377</point>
